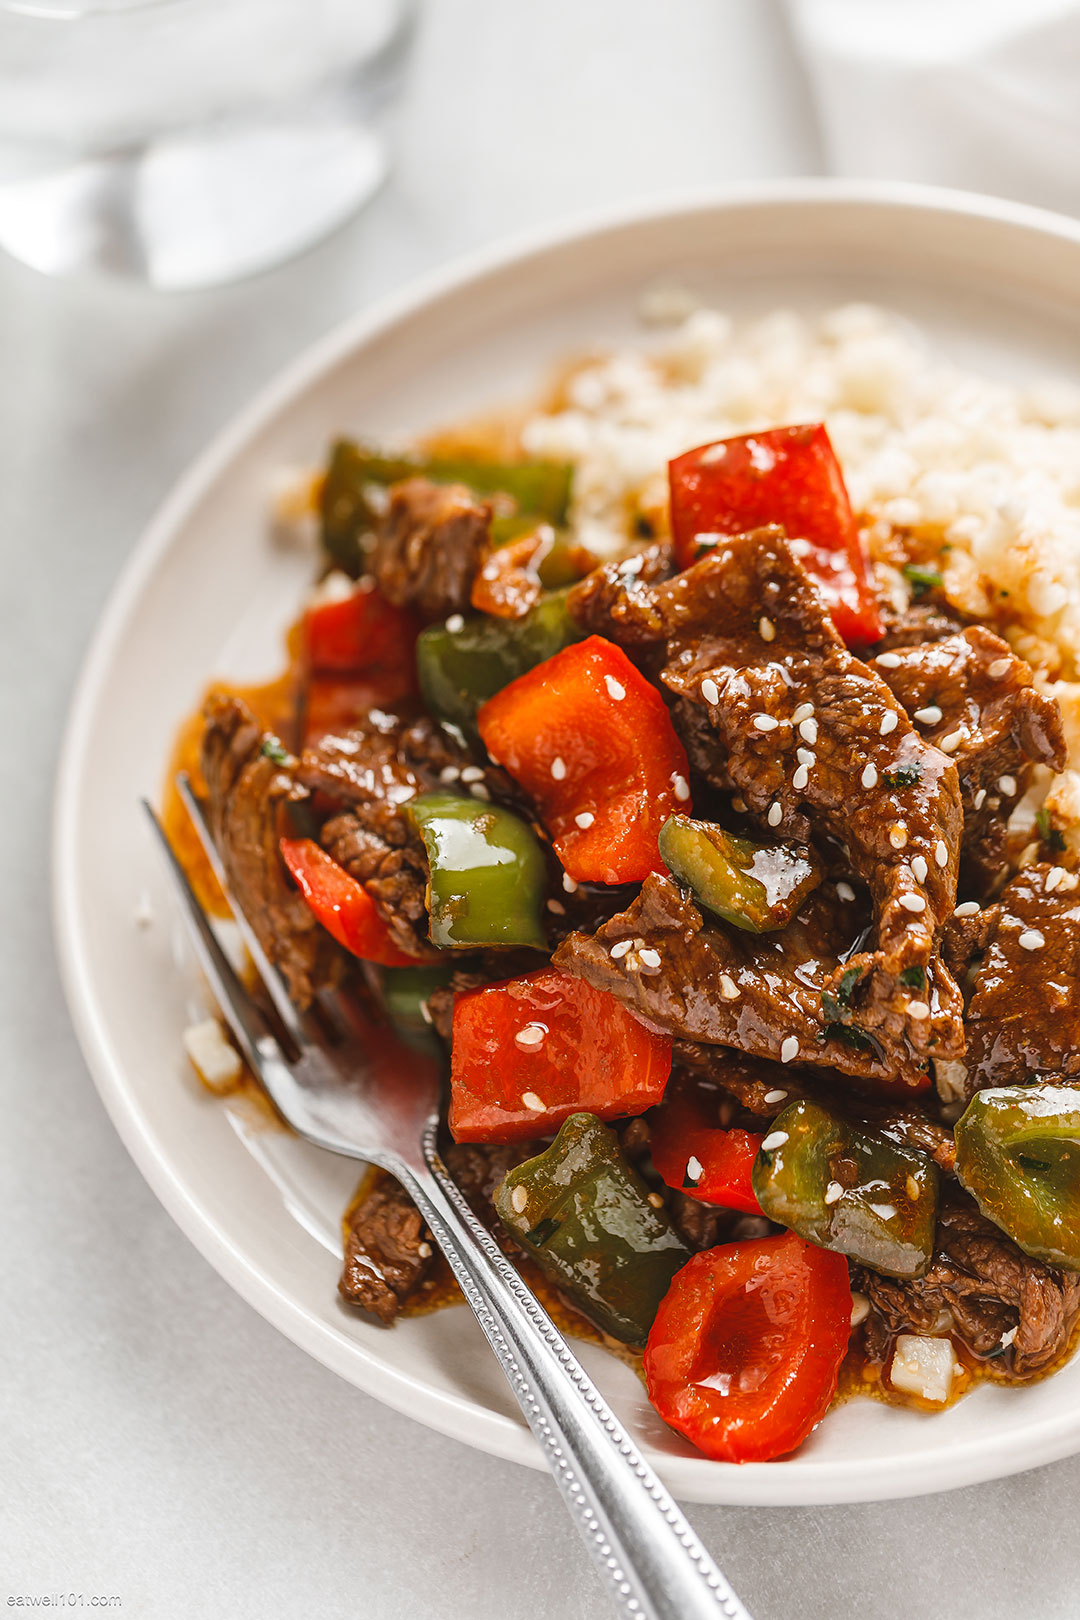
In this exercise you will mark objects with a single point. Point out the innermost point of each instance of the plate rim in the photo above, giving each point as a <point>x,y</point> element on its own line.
<point>458,1416</point>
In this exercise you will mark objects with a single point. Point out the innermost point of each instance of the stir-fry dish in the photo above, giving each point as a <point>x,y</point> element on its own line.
<point>718,829</point>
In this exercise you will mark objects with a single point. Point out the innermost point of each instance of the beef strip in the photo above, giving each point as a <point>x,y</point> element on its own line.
<point>989,1286</point>
<point>746,638</point>
<point>429,545</point>
<point>974,695</point>
<point>389,1253</point>
<point>606,598</point>
<point>749,991</point>
<point>1023,1019</point>
<point>373,770</point>
<point>248,790</point>
<point>930,617</point>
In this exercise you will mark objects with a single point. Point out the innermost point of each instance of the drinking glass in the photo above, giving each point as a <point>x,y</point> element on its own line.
<point>190,142</point>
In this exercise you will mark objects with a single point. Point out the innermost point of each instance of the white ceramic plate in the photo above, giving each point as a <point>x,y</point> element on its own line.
<point>207,593</point>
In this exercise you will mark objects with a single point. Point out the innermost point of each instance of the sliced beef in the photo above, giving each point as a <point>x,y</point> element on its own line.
<point>970,695</point>
<point>754,992</point>
<point>248,789</point>
<point>615,594</point>
<point>1023,1019</point>
<point>508,584</point>
<point>988,1285</point>
<point>930,617</point>
<point>772,705</point>
<point>374,770</point>
<point>387,1255</point>
<point>388,1252</point>
<point>429,545</point>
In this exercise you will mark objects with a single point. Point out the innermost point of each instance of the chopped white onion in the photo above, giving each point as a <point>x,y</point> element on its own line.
<point>925,1367</point>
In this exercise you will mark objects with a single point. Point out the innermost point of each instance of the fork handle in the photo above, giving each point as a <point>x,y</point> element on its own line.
<point>654,1564</point>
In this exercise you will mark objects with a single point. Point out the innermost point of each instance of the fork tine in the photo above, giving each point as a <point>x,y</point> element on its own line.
<point>232,998</point>
<point>269,974</point>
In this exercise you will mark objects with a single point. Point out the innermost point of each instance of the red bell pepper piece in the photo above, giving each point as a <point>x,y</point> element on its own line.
<point>529,1052</point>
<point>744,1354</point>
<point>342,905</point>
<point>360,655</point>
<point>592,743</point>
<point>360,633</point>
<point>685,1129</point>
<point>789,476</point>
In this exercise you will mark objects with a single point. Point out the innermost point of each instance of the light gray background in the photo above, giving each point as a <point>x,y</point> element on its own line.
<point>158,1440</point>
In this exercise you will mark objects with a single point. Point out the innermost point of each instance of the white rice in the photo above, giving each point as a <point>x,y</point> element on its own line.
<point>990,469</point>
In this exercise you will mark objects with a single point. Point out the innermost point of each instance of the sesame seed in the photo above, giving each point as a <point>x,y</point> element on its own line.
<point>766,629</point>
<point>1031,940</point>
<point>557,907</point>
<point>532,1035</point>
<point>999,668</point>
<point>425,1012</point>
<point>806,756</point>
<point>519,1198</point>
<point>569,883</point>
<point>913,902</point>
<point>650,957</point>
<point>728,988</point>
<point>898,835</point>
<point>941,852</point>
<point>449,773</point>
<point>928,716</point>
<point>584,818</point>
<point>970,908</point>
<point>913,1189</point>
<point>775,1096</point>
<point>844,891</point>
<point>801,778</point>
<point>619,949</point>
<point>889,722</point>
<point>615,688</point>
<point>710,691</point>
<point>1007,786</point>
<point>681,788</point>
<point>860,1308</point>
<point>919,867</point>
<point>532,1102</point>
<point>766,722</point>
<point>803,712</point>
<point>655,1200</point>
<point>739,806</point>
<point>869,775</point>
<point>833,1192</point>
<point>980,798</point>
<point>775,815</point>
<point>455,623</point>
<point>789,1048</point>
<point>479,791</point>
<point>918,1010</point>
<point>424,1250</point>
<point>888,660</point>
<point>1054,879</point>
<point>472,773</point>
<point>808,730</point>
<point>951,743</point>
<point>694,1169</point>
<point>558,768</point>
<point>774,1139</point>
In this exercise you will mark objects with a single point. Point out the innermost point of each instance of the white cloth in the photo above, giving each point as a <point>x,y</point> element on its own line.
<point>982,94</point>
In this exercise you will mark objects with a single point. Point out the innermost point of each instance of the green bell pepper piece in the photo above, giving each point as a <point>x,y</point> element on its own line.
<point>404,993</point>
<point>844,1189</point>
<point>583,1214</point>
<point>755,886</point>
<point>460,669</point>
<point>540,489</point>
<point>488,878</point>
<point>1018,1154</point>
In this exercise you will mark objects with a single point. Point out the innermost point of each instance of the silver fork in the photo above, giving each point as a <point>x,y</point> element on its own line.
<point>370,1097</point>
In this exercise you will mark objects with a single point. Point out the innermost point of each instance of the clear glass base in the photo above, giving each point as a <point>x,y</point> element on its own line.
<point>194,209</point>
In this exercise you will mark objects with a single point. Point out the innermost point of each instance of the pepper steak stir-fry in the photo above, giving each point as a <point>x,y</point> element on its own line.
<point>699,865</point>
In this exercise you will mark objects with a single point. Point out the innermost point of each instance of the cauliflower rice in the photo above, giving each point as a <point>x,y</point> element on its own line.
<point>986,473</point>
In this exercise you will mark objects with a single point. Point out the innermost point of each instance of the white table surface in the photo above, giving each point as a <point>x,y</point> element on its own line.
<point>159,1442</point>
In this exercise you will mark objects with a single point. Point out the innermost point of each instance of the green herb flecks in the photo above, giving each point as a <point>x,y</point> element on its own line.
<point>914,978</point>
<point>904,776</point>
<point>275,749</point>
<point>921,579</point>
